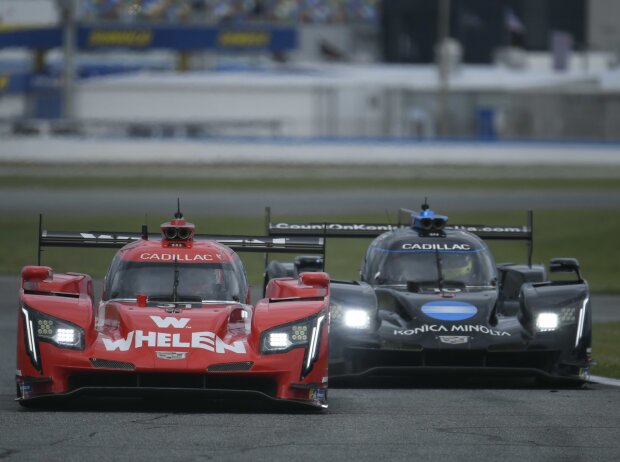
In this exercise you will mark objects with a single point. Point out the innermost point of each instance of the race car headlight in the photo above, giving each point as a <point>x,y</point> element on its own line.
<point>61,333</point>
<point>283,338</point>
<point>357,319</point>
<point>45,328</point>
<point>305,333</point>
<point>546,322</point>
<point>278,340</point>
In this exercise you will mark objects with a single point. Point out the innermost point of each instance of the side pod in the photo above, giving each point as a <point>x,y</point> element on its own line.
<point>41,280</point>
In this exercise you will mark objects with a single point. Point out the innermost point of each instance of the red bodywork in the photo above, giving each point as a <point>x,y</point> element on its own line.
<point>135,345</point>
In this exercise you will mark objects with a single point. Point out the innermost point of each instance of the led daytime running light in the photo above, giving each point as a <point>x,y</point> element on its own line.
<point>582,316</point>
<point>30,334</point>
<point>314,342</point>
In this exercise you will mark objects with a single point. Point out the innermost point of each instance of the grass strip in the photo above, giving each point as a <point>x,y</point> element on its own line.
<point>606,349</point>
<point>308,182</point>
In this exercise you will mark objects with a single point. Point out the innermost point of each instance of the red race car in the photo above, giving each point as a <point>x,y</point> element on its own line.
<point>175,317</point>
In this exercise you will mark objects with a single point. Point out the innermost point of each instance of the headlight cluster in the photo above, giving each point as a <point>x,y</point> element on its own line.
<point>547,321</point>
<point>60,333</point>
<point>305,333</point>
<point>357,319</point>
<point>352,318</point>
<point>285,337</point>
<point>39,327</point>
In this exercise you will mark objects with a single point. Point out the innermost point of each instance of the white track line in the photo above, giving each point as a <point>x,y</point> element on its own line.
<point>605,381</point>
<point>95,150</point>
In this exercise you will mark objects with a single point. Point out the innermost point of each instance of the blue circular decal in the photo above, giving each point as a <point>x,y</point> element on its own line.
<point>449,310</point>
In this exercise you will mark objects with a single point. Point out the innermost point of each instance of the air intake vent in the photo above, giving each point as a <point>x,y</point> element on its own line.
<point>110,364</point>
<point>231,367</point>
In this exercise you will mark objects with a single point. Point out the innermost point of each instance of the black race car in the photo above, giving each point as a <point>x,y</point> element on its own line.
<point>432,299</point>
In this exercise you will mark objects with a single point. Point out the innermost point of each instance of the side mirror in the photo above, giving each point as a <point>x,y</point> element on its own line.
<point>308,263</point>
<point>36,273</point>
<point>315,279</point>
<point>565,265</point>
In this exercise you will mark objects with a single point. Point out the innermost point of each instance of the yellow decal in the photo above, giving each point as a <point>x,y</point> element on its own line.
<point>120,38</point>
<point>4,82</point>
<point>21,27</point>
<point>243,39</point>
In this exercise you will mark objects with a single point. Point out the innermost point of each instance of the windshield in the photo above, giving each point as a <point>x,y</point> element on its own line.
<point>196,281</point>
<point>471,268</point>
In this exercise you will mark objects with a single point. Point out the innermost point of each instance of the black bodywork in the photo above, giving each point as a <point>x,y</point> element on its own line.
<point>482,319</point>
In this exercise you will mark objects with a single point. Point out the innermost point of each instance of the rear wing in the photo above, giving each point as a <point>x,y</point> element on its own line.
<point>349,230</point>
<point>238,243</point>
<point>371,230</point>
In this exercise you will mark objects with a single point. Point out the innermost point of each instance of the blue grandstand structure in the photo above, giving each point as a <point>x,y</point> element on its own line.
<point>298,11</point>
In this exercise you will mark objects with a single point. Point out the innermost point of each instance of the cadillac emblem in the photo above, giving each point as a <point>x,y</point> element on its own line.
<point>171,355</point>
<point>454,339</point>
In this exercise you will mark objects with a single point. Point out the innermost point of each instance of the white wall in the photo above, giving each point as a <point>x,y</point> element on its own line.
<point>164,101</point>
<point>28,12</point>
<point>326,100</point>
<point>12,106</point>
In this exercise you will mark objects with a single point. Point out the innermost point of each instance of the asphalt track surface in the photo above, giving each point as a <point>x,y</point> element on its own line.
<point>509,421</point>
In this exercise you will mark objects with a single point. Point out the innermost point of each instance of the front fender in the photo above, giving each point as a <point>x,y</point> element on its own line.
<point>570,302</point>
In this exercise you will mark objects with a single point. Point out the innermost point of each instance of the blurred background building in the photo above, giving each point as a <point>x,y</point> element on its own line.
<point>506,69</point>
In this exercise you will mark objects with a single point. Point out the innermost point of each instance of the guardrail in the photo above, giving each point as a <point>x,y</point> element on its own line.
<point>140,129</point>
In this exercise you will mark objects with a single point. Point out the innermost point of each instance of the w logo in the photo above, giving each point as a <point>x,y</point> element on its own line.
<point>177,323</point>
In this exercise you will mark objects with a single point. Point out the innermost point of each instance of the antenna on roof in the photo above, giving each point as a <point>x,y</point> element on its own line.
<point>39,249</point>
<point>178,215</point>
<point>389,220</point>
<point>145,227</point>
